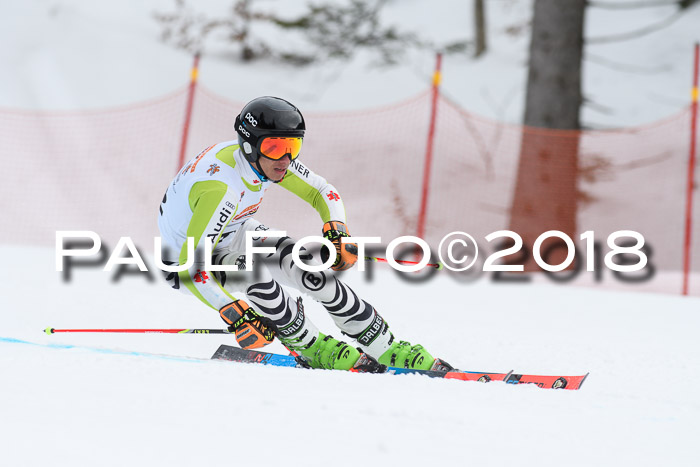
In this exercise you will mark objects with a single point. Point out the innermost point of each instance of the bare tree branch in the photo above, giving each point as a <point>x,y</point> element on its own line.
<point>638,33</point>
<point>480,26</point>
<point>624,67</point>
<point>632,5</point>
<point>598,107</point>
<point>332,30</point>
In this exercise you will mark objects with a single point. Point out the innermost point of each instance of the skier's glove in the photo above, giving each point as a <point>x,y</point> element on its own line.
<point>251,330</point>
<point>345,253</point>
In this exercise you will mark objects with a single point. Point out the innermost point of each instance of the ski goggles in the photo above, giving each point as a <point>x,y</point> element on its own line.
<point>277,147</point>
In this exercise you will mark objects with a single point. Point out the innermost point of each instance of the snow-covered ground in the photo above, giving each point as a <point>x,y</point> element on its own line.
<point>82,406</point>
<point>77,406</point>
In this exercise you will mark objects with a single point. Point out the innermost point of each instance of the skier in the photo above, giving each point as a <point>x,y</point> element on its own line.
<point>214,197</point>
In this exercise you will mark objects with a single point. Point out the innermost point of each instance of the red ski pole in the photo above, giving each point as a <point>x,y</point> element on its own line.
<point>156,331</point>
<point>144,331</point>
<point>437,266</point>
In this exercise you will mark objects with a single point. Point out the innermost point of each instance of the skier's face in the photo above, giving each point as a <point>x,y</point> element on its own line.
<point>275,169</point>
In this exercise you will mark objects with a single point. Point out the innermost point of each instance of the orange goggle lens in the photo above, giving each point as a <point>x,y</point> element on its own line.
<point>278,147</point>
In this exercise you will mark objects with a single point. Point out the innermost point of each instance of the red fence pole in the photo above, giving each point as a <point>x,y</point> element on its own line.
<point>188,110</point>
<point>691,172</point>
<point>429,150</point>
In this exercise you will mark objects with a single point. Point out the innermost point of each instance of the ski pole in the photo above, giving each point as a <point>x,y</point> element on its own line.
<point>159,331</point>
<point>144,331</point>
<point>437,266</point>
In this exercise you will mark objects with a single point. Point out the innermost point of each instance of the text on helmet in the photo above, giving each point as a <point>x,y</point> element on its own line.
<point>250,119</point>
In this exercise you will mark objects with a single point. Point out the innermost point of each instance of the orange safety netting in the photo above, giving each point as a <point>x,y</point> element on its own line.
<point>107,170</point>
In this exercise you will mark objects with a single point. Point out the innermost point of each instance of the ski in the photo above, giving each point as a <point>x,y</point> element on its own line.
<point>544,381</point>
<point>235,354</point>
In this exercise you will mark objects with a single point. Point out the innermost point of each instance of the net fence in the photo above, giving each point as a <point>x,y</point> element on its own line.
<point>106,171</point>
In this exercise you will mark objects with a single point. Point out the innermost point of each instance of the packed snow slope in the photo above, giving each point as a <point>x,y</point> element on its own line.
<point>82,406</point>
<point>97,399</point>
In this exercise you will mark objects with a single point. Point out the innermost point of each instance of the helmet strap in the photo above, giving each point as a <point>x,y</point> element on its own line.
<point>258,170</point>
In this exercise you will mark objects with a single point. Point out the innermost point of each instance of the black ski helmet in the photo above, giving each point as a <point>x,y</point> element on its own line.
<point>266,116</point>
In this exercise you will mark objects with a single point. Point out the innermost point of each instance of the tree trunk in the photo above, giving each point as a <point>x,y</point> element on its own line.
<point>545,196</point>
<point>480,28</point>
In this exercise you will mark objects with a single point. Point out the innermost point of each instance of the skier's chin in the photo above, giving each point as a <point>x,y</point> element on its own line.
<point>276,175</point>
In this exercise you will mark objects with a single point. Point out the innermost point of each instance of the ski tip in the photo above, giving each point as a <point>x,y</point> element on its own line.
<point>584,379</point>
<point>49,331</point>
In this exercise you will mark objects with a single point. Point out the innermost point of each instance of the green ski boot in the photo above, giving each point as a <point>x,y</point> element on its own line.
<point>404,355</point>
<point>331,354</point>
<point>317,350</point>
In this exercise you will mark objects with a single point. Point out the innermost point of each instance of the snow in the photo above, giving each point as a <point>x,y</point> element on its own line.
<point>79,54</point>
<point>100,402</point>
<point>79,406</point>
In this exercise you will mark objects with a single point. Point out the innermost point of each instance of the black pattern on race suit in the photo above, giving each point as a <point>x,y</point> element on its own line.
<point>272,302</point>
<point>346,304</point>
<point>349,313</point>
<point>172,278</point>
<point>352,315</point>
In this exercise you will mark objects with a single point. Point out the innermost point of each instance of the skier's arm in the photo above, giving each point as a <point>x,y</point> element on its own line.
<point>315,190</point>
<point>324,197</point>
<point>213,207</point>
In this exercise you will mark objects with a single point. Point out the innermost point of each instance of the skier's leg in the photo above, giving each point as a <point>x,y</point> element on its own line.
<point>355,317</point>
<point>296,331</point>
<point>361,321</point>
<point>272,302</point>
<point>352,315</point>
